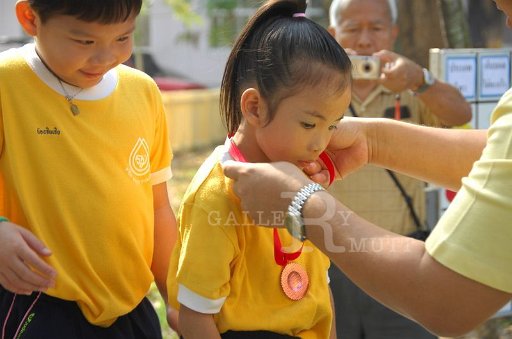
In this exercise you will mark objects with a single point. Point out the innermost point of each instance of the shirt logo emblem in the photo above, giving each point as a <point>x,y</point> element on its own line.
<point>138,164</point>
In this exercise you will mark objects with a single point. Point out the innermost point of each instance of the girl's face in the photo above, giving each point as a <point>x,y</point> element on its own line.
<point>303,125</point>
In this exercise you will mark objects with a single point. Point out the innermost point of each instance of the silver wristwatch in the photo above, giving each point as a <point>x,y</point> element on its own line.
<point>294,221</point>
<point>428,80</point>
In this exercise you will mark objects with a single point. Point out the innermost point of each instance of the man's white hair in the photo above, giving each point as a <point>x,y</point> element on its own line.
<point>337,5</point>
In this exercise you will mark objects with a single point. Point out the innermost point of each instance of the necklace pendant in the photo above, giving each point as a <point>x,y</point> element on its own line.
<point>74,108</point>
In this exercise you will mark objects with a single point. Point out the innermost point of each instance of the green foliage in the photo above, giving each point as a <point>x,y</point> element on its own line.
<point>221,4</point>
<point>184,12</point>
<point>455,24</point>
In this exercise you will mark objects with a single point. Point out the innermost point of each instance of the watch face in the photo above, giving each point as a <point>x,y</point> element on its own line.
<point>293,223</point>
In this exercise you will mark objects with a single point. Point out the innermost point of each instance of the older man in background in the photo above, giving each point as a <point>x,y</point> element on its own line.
<point>400,89</point>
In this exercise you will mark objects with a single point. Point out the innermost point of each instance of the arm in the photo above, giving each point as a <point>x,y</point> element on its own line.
<point>436,155</point>
<point>447,103</point>
<point>22,268</point>
<point>165,236</point>
<point>442,99</point>
<point>193,324</point>
<point>398,272</point>
<point>393,269</point>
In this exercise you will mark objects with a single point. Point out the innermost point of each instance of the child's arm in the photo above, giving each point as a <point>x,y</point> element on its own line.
<point>193,324</point>
<point>22,270</point>
<point>165,236</point>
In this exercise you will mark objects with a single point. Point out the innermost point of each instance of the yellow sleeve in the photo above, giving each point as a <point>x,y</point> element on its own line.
<point>161,152</point>
<point>208,249</point>
<point>473,236</point>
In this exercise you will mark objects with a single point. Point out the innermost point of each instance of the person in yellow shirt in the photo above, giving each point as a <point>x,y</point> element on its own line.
<point>285,87</point>
<point>462,275</point>
<point>86,223</point>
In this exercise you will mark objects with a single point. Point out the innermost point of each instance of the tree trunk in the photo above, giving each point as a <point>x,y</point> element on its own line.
<point>487,24</point>
<point>421,28</point>
<point>455,24</point>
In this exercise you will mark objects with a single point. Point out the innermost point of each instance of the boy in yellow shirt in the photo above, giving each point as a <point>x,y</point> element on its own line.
<point>86,223</point>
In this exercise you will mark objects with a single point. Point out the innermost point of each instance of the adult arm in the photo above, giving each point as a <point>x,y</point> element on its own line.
<point>442,99</point>
<point>393,269</point>
<point>398,272</point>
<point>436,155</point>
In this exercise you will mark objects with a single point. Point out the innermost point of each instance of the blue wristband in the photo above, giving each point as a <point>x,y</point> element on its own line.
<point>2,219</point>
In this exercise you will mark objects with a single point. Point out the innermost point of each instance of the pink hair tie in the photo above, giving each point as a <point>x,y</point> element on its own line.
<point>299,15</point>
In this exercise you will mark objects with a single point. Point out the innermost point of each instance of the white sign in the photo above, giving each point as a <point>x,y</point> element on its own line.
<point>505,311</point>
<point>461,73</point>
<point>494,75</point>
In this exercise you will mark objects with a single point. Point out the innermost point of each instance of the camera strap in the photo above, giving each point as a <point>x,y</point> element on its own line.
<point>407,198</point>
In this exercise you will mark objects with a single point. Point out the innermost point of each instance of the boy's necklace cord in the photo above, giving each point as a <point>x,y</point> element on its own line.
<point>72,106</point>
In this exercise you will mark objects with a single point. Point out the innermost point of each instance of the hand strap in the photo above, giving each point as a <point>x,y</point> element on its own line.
<point>407,198</point>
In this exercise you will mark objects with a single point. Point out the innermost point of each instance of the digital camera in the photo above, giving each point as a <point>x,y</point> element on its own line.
<point>365,67</point>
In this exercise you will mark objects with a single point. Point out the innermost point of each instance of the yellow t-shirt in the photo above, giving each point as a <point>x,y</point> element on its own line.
<point>370,192</point>
<point>224,265</point>
<point>474,235</point>
<point>83,184</point>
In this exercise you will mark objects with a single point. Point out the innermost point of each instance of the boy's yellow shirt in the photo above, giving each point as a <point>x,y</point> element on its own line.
<point>83,184</point>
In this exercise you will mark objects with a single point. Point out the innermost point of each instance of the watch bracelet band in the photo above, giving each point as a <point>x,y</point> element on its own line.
<point>298,202</point>
<point>426,84</point>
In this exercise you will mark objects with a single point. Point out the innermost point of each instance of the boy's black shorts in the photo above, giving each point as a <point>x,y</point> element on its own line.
<point>56,318</point>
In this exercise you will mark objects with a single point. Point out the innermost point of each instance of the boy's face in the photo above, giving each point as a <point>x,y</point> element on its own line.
<point>79,52</point>
<point>303,125</point>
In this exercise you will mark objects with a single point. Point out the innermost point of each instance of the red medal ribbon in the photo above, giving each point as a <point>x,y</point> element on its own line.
<point>330,166</point>
<point>280,256</point>
<point>234,151</point>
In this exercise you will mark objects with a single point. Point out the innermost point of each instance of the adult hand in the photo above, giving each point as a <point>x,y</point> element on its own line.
<point>399,73</point>
<point>265,190</point>
<point>350,146</point>
<point>22,270</point>
<point>349,150</point>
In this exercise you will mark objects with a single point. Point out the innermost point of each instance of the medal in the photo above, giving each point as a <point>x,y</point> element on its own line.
<point>294,278</point>
<point>294,281</point>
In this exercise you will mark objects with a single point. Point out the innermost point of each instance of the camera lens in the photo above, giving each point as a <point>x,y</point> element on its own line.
<point>367,67</point>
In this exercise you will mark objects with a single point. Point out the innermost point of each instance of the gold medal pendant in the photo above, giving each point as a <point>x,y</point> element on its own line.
<point>294,281</point>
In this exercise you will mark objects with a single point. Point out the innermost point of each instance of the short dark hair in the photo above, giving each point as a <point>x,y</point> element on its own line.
<point>279,53</point>
<point>102,11</point>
